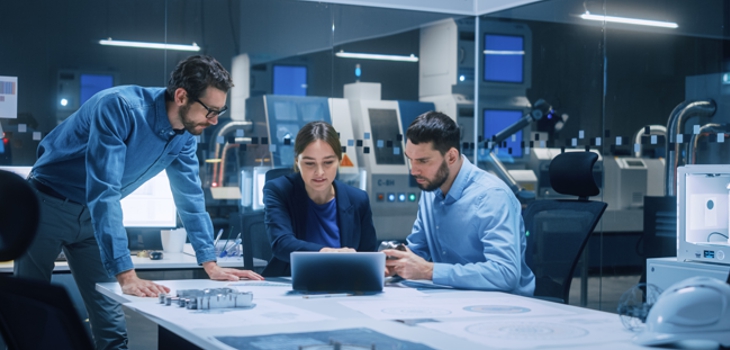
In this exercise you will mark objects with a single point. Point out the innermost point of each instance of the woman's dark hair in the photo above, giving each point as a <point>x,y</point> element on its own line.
<point>435,127</point>
<point>314,131</point>
<point>195,74</point>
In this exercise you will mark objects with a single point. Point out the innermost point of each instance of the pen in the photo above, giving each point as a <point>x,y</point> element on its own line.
<point>314,296</point>
<point>220,233</point>
<point>237,241</point>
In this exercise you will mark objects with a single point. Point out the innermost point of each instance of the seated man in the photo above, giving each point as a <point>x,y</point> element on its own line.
<point>469,231</point>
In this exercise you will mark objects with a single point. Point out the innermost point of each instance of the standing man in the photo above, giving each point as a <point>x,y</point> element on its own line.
<point>116,141</point>
<point>469,231</point>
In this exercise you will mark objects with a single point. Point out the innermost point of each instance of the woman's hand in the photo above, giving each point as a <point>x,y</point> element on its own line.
<point>337,250</point>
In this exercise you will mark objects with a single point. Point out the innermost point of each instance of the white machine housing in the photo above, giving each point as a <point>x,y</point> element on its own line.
<point>702,217</point>
<point>393,201</point>
<point>625,182</point>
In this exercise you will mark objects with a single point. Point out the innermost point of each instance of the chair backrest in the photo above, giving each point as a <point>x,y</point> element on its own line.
<point>19,213</point>
<point>278,172</point>
<point>254,238</point>
<point>558,230</point>
<point>33,314</point>
<point>39,315</point>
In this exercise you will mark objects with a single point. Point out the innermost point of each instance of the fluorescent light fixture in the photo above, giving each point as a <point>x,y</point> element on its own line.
<point>625,20</point>
<point>144,45</point>
<point>374,56</point>
<point>503,52</point>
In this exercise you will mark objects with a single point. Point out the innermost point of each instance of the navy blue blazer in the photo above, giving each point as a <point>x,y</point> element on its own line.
<point>285,199</point>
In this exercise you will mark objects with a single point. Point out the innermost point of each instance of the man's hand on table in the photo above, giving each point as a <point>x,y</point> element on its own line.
<point>133,285</point>
<point>218,273</point>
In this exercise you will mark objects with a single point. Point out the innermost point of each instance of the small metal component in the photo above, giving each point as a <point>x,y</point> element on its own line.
<point>211,298</point>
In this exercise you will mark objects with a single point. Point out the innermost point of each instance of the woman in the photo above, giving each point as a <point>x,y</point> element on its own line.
<point>311,211</point>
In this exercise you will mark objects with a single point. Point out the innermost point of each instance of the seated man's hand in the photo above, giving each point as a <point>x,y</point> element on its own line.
<point>133,285</point>
<point>218,273</point>
<point>407,265</point>
<point>337,250</point>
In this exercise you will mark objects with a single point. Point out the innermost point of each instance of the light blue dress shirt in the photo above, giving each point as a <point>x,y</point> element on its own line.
<point>114,143</point>
<point>474,235</point>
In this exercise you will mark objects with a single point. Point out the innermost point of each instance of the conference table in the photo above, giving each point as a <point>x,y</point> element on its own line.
<point>399,318</point>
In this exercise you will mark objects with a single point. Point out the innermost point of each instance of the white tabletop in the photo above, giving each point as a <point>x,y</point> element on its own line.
<point>439,319</point>
<point>169,261</point>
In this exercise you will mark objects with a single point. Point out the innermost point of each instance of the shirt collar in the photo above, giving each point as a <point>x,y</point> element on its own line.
<point>461,180</point>
<point>162,125</point>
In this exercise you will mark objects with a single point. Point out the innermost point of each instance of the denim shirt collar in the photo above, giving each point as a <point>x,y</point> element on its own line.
<point>161,125</point>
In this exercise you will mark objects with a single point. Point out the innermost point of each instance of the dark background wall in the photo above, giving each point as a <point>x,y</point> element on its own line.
<point>643,72</point>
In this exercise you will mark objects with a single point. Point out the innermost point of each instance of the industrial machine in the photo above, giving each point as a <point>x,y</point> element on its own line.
<point>380,139</point>
<point>626,181</point>
<point>275,122</point>
<point>504,66</point>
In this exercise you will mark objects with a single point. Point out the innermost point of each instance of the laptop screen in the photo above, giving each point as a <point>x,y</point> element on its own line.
<point>357,273</point>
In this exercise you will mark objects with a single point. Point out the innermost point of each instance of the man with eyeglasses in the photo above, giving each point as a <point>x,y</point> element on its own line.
<point>116,141</point>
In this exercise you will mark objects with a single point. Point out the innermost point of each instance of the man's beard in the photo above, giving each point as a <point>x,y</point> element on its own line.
<point>437,181</point>
<point>189,125</point>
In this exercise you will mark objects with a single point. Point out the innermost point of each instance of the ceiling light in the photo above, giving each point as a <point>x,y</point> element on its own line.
<point>625,20</point>
<point>374,56</point>
<point>145,45</point>
<point>504,52</point>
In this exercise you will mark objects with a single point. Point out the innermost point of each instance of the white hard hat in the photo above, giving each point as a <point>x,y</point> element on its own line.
<point>697,308</point>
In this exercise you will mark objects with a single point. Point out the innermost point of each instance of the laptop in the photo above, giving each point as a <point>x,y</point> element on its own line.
<point>356,273</point>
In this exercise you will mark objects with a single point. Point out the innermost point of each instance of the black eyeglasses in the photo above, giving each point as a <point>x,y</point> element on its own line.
<point>212,112</point>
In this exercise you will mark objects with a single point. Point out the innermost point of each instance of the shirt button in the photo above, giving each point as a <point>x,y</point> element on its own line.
<point>437,227</point>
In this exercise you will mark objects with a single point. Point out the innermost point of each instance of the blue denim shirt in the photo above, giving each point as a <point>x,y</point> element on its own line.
<point>115,142</point>
<point>474,235</point>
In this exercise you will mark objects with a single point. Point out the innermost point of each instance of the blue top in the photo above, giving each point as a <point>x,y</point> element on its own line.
<point>287,216</point>
<point>322,224</point>
<point>116,141</point>
<point>474,235</point>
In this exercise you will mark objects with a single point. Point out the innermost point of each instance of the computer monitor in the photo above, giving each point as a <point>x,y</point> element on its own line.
<point>21,171</point>
<point>496,120</point>
<point>151,205</point>
<point>504,58</point>
<point>290,80</point>
<point>93,83</point>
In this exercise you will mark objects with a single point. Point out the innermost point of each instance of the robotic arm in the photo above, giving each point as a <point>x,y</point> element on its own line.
<point>539,110</point>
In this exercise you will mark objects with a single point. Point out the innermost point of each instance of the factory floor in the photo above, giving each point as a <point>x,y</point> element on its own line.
<point>603,294</point>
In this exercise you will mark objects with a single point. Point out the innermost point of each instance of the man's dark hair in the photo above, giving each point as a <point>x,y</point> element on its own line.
<point>437,128</point>
<point>195,74</point>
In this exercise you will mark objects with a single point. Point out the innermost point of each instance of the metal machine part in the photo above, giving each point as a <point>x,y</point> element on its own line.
<point>705,130</point>
<point>220,146</point>
<point>209,298</point>
<point>653,130</point>
<point>539,110</point>
<point>675,125</point>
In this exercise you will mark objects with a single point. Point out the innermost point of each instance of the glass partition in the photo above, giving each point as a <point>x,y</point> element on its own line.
<point>645,98</point>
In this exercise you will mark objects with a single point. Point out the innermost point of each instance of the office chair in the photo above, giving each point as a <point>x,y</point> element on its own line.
<point>255,240</point>
<point>558,230</point>
<point>33,314</point>
<point>278,172</point>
